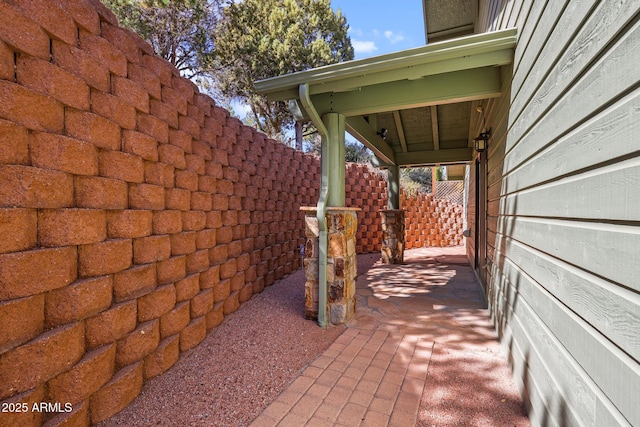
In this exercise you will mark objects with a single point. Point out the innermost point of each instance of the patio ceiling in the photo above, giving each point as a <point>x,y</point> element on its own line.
<point>425,97</point>
<point>448,19</point>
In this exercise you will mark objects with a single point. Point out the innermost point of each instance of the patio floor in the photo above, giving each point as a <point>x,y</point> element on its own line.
<point>420,351</point>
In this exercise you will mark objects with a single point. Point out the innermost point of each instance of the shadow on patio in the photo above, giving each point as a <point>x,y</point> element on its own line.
<point>421,351</point>
<point>434,297</point>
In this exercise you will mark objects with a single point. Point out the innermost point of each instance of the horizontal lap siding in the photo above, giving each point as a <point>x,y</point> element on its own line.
<point>135,214</point>
<point>563,208</point>
<point>471,216</point>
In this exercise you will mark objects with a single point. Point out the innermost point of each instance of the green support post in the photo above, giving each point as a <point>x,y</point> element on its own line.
<point>332,194</point>
<point>393,190</point>
<point>335,124</point>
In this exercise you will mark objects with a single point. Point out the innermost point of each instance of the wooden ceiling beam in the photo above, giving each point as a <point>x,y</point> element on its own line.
<point>434,127</point>
<point>400,129</point>
<point>361,130</point>
<point>453,155</point>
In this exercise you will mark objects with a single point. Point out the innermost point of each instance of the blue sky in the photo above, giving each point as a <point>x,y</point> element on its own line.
<point>377,27</point>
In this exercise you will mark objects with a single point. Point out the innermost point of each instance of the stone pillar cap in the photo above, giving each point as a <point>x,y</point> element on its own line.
<point>329,208</point>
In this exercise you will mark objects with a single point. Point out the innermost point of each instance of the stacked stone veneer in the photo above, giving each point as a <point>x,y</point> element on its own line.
<point>393,223</point>
<point>342,266</point>
<point>134,213</point>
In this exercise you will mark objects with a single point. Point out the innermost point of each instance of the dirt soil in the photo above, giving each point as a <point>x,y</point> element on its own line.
<point>241,366</point>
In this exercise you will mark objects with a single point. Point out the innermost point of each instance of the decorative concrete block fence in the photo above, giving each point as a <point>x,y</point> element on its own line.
<point>431,222</point>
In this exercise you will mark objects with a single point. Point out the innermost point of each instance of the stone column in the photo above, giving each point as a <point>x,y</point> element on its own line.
<point>392,236</point>
<point>342,266</point>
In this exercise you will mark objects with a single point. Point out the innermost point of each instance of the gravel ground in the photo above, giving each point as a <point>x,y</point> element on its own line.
<point>470,384</point>
<point>242,365</point>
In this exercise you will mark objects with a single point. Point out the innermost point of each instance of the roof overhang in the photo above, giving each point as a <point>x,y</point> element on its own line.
<point>448,19</point>
<point>422,96</point>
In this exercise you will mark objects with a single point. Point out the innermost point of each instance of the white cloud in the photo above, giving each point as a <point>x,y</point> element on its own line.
<point>362,46</point>
<point>240,109</point>
<point>355,32</point>
<point>393,37</point>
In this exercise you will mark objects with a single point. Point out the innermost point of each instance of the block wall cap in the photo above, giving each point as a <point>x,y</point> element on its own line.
<point>329,208</point>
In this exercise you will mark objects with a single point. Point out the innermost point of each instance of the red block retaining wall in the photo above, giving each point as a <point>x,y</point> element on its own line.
<point>428,221</point>
<point>134,213</point>
<point>431,222</point>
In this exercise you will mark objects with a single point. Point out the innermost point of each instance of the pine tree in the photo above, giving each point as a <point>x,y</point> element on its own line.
<point>259,39</point>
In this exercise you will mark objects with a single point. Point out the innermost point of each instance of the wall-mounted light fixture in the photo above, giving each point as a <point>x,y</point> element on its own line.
<point>481,141</point>
<point>382,133</point>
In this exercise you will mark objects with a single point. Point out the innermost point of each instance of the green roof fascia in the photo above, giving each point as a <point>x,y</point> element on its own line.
<point>456,86</point>
<point>479,50</point>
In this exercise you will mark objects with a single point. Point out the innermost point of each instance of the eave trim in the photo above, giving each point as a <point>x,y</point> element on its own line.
<point>452,55</point>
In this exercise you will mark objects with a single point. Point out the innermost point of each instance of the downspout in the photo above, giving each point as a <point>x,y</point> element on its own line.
<point>321,210</point>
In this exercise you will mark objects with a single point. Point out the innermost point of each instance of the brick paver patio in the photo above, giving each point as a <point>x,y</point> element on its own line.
<point>413,320</point>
